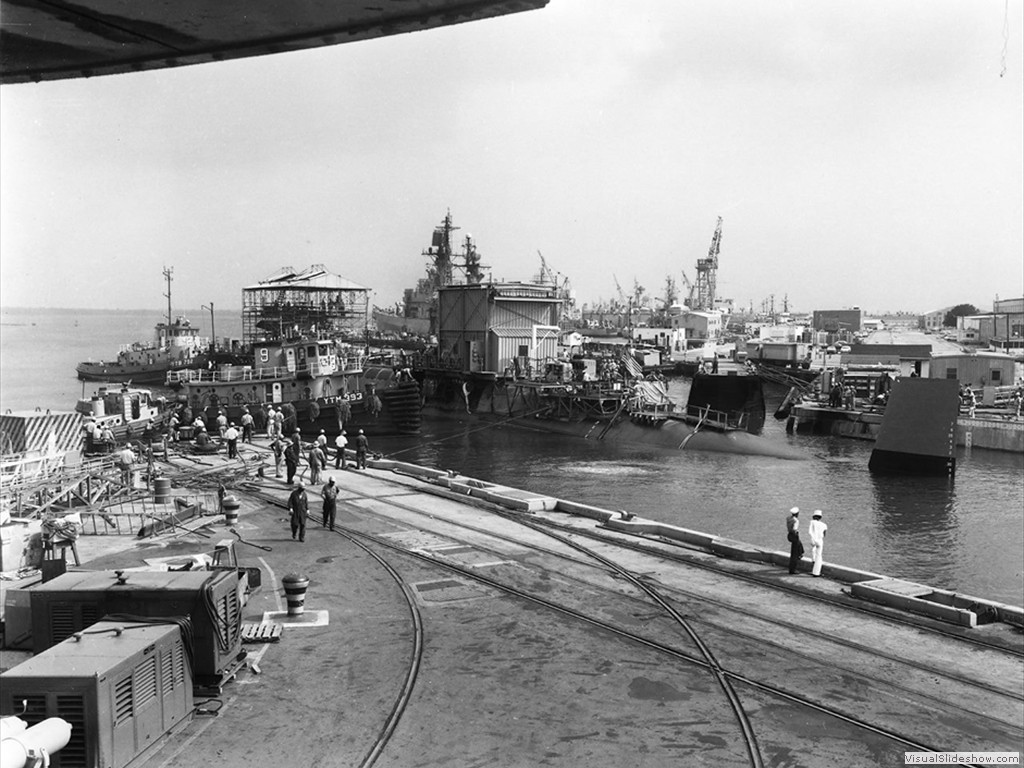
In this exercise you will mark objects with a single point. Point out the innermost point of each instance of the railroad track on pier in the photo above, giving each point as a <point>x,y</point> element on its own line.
<point>623,539</point>
<point>670,650</point>
<point>415,661</point>
<point>675,592</point>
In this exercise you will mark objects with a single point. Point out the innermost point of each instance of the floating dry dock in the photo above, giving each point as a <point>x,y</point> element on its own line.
<point>451,622</point>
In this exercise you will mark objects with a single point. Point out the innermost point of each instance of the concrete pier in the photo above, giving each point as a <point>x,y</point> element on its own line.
<point>467,624</point>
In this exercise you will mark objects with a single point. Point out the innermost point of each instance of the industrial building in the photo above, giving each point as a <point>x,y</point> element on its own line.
<point>838,321</point>
<point>497,326</point>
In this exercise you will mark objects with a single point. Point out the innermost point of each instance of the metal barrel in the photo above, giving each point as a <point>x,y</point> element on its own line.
<point>295,587</point>
<point>231,505</point>
<point>161,490</point>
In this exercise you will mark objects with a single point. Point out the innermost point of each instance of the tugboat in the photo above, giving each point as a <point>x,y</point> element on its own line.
<point>177,346</point>
<point>294,326</point>
<point>319,384</point>
<point>130,413</point>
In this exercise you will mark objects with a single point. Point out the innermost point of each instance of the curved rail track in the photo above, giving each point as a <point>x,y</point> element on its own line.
<point>725,677</point>
<point>541,525</point>
<point>415,662</point>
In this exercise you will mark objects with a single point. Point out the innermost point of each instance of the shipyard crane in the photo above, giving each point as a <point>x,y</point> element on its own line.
<point>707,272</point>
<point>622,294</point>
<point>563,290</point>
<point>546,275</point>
<point>690,288</point>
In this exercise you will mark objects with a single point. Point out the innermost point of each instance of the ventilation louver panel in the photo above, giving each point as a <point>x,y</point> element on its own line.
<point>124,700</point>
<point>145,682</point>
<point>62,621</point>
<point>71,707</point>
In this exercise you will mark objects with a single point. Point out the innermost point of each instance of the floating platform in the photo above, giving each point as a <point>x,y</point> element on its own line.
<point>992,431</point>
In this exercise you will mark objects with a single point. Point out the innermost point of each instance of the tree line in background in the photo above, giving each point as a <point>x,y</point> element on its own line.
<point>960,310</point>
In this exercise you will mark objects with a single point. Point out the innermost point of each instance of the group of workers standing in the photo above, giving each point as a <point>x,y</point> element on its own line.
<point>291,452</point>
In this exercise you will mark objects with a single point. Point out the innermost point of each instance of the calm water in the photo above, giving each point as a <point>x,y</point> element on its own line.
<point>965,534</point>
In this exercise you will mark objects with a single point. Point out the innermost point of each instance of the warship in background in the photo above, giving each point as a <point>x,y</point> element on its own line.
<point>416,314</point>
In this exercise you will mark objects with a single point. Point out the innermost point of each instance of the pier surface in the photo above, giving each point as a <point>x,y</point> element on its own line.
<point>443,629</point>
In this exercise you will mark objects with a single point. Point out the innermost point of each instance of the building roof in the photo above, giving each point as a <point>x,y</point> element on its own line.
<point>57,40</point>
<point>315,277</point>
<point>525,332</point>
<point>901,351</point>
<point>987,355</point>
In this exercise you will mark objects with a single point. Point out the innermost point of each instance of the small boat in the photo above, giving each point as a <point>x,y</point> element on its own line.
<point>177,345</point>
<point>131,413</point>
<point>320,384</point>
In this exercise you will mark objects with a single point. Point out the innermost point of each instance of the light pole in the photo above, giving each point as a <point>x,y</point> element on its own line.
<point>213,328</point>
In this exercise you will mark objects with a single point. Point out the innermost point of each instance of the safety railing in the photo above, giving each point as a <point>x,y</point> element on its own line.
<point>715,418</point>
<point>233,374</point>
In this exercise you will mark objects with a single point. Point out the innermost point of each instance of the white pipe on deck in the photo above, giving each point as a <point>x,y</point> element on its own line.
<point>21,746</point>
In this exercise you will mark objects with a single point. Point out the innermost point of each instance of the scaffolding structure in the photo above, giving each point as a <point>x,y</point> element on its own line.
<point>314,302</point>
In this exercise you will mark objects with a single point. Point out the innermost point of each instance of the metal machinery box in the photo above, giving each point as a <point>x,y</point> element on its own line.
<point>73,601</point>
<point>121,686</point>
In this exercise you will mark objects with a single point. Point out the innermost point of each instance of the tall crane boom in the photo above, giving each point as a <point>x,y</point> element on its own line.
<point>622,294</point>
<point>707,272</point>
<point>690,288</point>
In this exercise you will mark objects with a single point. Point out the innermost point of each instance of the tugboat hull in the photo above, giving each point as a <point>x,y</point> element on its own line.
<point>122,374</point>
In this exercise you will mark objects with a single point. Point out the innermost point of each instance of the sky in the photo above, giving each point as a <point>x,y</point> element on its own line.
<point>865,154</point>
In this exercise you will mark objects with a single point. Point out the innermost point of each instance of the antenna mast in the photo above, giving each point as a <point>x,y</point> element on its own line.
<point>168,271</point>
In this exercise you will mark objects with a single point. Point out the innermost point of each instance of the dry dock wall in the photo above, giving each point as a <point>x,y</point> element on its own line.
<point>962,610</point>
<point>1003,435</point>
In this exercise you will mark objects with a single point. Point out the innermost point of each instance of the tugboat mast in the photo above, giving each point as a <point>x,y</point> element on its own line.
<point>168,271</point>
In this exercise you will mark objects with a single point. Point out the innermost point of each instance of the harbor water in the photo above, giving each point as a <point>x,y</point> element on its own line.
<point>964,534</point>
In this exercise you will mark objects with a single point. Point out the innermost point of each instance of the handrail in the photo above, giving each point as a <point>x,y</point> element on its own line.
<point>230,374</point>
<point>706,414</point>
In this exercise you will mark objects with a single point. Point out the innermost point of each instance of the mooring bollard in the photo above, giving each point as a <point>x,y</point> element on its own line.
<point>231,505</point>
<point>295,587</point>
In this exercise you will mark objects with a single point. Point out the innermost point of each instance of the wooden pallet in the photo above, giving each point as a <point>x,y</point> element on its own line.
<point>264,632</point>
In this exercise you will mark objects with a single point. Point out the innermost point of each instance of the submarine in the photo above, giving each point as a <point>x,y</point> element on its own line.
<point>724,413</point>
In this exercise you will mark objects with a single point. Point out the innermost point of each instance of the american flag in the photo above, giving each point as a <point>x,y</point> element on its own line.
<point>632,366</point>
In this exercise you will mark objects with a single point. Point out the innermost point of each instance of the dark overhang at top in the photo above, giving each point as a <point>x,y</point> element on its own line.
<point>61,39</point>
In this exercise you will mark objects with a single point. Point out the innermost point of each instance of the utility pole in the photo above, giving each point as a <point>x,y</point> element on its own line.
<point>213,328</point>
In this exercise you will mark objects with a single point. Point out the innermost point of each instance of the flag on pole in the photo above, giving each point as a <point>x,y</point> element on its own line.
<point>632,366</point>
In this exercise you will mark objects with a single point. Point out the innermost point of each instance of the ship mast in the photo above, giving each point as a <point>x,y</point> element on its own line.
<point>440,253</point>
<point>168,271</point>
<point>439,271</point>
